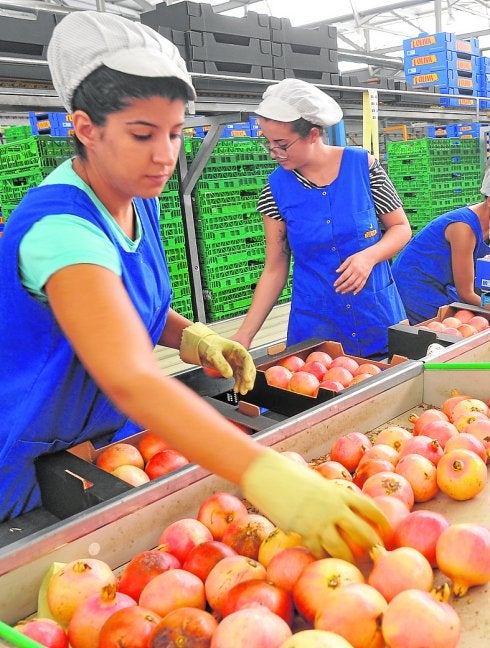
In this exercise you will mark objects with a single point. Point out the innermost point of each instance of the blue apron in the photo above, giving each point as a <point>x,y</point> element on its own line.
<point>325,225</point>
<point>48,402</point>
<point>423,269</point>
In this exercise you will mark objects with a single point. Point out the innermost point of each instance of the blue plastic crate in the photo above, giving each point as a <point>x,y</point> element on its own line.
<point>484,63</point>
<point>458,99</point>
<point>427,43</point>
<point>446,130</point>
<point>444,60</point>
<point>238,129</point>
<point>446,78</point>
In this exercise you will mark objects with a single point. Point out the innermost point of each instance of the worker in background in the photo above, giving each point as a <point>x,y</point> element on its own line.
<point>325,206</point>
<point>437,267</point>
<point>85,296</point>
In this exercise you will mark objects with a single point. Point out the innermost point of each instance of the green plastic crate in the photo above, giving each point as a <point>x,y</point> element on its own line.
<point>35,151</point>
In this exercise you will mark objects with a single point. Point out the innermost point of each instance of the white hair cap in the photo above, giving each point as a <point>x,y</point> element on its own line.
<point>85,40</point>
<point>292,99</point>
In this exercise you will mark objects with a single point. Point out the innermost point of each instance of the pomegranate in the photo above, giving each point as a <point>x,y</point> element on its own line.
<point>219,510</point>
<point>421,474</point>
<point>421,530</point>
<point>185,627</point>
<point>338,374</point>
<point>285,567</point>
<point>142,568</point>
<point>164,462</point>
<point>463,315</point>
<point>347,363</point>
<point>393,436</point>
<point>332,470</point>
<point>316,639</point>
<point>468,406</point>
<point>249,628</point>
<point>173,589</point>
<point>354,612</point>
<point>468,441</point>
<point>149,444</point>
<point>380,451</point>
<point>277,376</point>
<point>370,467</point>
<point>422,445</point>
<point>91,614</point>
<point>392,484</point>
<point>226,574</point>
<point>131,627</point>
<point>348,449</point>
<point>203,557</point>
<point>395,510</point>
<point>75,582</point>
<point>367,368</point>
<point>399,569</point>
<point>463,554</point>
<point>276,542</point>
<point>292,362</point>
<point>255,593</point>
<point>318,579</point>
<point>316,368</point>
<point>246,534</point>
<point>131,474</point>
<point>451,402</point>
<point>305,383</point>
<point>333,385</point>
<point>461,474</point>
<point>427,416</point>
<point>119,454</point>
<point>320,356</point>
<point>463,422</point>
<point>179,537</point>
<point>442,431</point>
<point>416,619</point>
<point>481,430</point>
<point>46,632</point>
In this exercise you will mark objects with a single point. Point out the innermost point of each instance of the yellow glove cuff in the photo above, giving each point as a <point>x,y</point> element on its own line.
<point>189,345</point>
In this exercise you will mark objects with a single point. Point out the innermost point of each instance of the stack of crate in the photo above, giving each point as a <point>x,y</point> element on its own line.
<point>465,131</point>
<point>302,53</point>
<point>24,163</point>
<point>433,176</point>
<point>447,62</point>
<point>174,242</point>
<point>12,133</point>
<point>229,230</point>
<point>484,80</point>
<point>256,45</point>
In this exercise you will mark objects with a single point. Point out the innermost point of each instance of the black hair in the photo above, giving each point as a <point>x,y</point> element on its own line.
<point>105,91</point>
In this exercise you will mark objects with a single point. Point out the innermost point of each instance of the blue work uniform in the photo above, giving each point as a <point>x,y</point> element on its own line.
<point>48,401</point>
<point>325,225</point>
<point>423,269</point>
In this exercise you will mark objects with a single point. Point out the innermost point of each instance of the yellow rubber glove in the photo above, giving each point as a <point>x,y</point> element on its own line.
<point>200,345</point>
<point>296,498</point>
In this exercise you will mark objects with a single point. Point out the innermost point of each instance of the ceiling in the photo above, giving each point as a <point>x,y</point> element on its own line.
<point>370,32</point>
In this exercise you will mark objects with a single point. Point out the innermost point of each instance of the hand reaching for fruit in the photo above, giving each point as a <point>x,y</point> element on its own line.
<point>323,512</point>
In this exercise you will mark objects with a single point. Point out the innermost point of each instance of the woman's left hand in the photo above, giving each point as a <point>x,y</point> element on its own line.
<point>353,273</point>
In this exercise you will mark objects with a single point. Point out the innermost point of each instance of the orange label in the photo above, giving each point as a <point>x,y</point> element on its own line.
<point>424,60</point>
<point>463,46</point>
<point>464,65</point>
<point>466,102</point>
<point>419,42</point>
<point>426,78</point>
<point>465,83</point>
<point>371,233</point>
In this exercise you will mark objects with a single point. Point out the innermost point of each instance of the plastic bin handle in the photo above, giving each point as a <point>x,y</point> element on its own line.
<point>17,638</point>
<point>457,366</point>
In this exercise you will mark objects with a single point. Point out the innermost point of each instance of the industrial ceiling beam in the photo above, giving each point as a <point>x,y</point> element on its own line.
<point>366,13</point>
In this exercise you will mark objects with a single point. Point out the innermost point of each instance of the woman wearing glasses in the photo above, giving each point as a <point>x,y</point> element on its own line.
<point>325,207</point>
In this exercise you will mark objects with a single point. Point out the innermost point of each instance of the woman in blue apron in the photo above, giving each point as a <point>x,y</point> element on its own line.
<point>437,267</point>
<point>85,295</point>
<point>325,206</point>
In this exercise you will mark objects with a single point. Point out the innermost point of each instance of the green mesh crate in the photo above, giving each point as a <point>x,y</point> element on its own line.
<point>35,151</point>
<point>221,280</point>
<point>176,258</point>
<point>249,267</point>
<point>240,182</point>
<point>231,251</point>
<point>14,186</point>
<point>12,133</point>
<point>172,234</point>
<point>6,210</point>
<point>183,306</point>
<point>241,231</point>
<point>449,146</point>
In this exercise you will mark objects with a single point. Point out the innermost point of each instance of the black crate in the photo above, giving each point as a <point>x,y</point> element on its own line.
<point>313,76</point>
<point>232,48</point>
<point>175,36</point>
<point>230,68</point>
<point>304,57</point>
<point>25,36</point>
<point>187,16</point>
<point>324,36</point>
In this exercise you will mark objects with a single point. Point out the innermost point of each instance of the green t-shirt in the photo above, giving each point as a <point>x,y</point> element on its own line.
<point>60,240</point>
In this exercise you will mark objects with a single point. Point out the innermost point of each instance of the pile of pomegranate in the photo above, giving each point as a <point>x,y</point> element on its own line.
<point>136,464</point>
<point>463,323</point>
<point>318,370</point>
<point>229,579</point>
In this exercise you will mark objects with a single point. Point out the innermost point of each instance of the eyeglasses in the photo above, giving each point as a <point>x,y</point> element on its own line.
<point>279,150</point>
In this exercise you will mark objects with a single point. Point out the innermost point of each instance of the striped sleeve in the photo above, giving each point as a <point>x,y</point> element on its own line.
<point>384,193</point>
<point>267,205</point>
